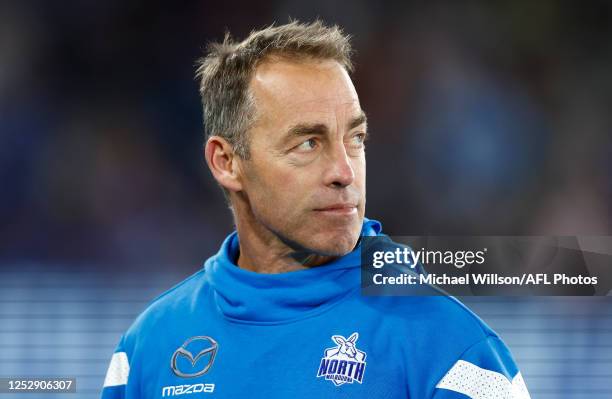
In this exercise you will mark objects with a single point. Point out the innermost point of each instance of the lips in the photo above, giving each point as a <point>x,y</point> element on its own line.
<point>339,208</point>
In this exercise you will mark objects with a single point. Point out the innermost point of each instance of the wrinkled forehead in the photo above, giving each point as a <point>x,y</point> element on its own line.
<point>308,91</point>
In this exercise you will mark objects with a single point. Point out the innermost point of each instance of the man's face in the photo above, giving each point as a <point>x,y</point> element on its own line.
<point>305,179</point>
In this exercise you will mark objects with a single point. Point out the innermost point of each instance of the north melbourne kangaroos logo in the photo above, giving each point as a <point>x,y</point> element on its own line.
<point>343,363</point>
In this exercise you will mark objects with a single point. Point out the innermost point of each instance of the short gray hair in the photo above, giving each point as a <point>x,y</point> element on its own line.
<point>225,72</point>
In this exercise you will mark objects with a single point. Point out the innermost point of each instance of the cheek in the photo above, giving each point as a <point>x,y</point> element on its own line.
<point>277,191</point>
<point>293,192</point>
<point>359,168</point>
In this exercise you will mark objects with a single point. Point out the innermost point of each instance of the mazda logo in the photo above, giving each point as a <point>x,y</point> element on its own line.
<point>209,345</point>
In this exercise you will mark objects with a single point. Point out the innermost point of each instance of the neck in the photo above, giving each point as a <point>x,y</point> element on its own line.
<point>262,251</point>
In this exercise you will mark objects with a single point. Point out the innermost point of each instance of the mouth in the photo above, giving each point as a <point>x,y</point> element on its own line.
<point>339,209</point>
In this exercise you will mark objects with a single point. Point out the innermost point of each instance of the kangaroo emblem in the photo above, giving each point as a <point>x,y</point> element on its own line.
<point>343,363</point>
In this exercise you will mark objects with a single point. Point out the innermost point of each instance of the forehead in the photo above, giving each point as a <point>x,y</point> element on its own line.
<point>290,90</point>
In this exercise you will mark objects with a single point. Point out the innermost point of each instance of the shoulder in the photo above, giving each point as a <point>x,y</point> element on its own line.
<point>437,318</point>
<point>149,326</point>
<point>427,309</point>
<point>165,308</point>
<point>446,346</point>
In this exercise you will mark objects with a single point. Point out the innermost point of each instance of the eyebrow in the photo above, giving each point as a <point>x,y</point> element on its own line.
<point>319,129</point>
<point>358,120</point>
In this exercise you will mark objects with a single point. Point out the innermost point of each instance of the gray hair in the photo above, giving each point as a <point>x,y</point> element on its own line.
<point>225,72</point>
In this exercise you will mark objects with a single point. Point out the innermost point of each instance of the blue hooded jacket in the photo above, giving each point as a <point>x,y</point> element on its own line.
<point>227,332</point>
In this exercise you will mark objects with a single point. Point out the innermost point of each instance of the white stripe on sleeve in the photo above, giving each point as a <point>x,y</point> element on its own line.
<point>478,383</point>
<point>118,370</point>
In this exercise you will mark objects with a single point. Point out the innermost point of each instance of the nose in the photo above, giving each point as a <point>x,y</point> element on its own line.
<point>339,171</point>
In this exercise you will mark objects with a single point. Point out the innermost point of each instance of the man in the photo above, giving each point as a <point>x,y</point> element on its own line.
<point>277,312</point>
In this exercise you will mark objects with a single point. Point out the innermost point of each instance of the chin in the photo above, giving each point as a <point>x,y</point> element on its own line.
<point>335,243</point>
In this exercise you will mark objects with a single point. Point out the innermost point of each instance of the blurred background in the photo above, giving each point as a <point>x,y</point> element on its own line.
<point>486,118</point>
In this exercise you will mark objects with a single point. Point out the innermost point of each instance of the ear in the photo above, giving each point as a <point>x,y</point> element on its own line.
<point>338,339</point>
<point>353,337</point>
<point>223,163</point>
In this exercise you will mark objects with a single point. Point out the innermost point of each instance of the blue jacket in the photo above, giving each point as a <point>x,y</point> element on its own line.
<point>226,332</point>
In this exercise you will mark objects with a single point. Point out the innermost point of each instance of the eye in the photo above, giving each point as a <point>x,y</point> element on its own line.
<point>307,145</point>
<point>358,139</point>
